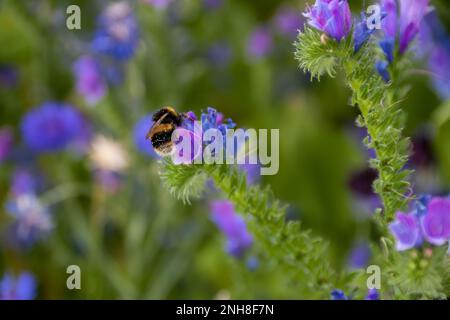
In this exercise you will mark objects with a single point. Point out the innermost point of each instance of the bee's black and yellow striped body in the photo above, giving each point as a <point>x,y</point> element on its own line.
<point>165,121</point>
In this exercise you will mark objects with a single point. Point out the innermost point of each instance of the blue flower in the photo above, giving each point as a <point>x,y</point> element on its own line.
<point>22,287</point>
<point>32,219</point>
<point>51,127</point>
<point>140,131</point>
<point>381,67</point>
<point>332,17</point>
<point>232,226</point>
<point>337,294</point>
<point>117,34</point>
<point>362,33</point>
<point>360,255</point>
<point>373,294</point>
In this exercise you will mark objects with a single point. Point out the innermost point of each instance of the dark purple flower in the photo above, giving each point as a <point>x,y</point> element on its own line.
<point>422,155</point>
<point>288,21</point>
<point>212,4</point>
<point>89,81</point>
<point>405,230</point>
<point>373,294</point>
<point>332,17</point>
<point>232,226</point>
<point>359,256</point>
<point>220,54</point>
<point>436,223</point>
<point>117,35</point>
<point>361,182</point>
<point>22,287</point>
<point>8,76</point>
<point>337,294</point>
<point>51,127</point>
<point>6,142</point>
<point>381,67</point>
<point>140,131</point>
<point>260,43</point>
<point>23,182</point>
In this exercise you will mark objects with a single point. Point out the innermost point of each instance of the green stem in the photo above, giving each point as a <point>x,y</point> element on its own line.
<point>382,118</point>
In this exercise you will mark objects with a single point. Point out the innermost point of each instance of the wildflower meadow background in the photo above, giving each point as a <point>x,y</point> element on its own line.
<point>81,186</point>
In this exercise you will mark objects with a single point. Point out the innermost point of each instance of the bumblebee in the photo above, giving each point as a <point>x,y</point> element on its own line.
<point>165,121</point>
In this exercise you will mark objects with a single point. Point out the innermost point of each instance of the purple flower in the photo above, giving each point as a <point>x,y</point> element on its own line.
<point>373,294</point>
<point>117,34</point>
<point>252,171</point>
<point>232,226</point>
<point>212,4</point>
<point>260,43</point>
<point>436,223</point>
<point>411,16</point>
<point>337,294</point>
<point>439,65</point>
<point>110,181</point>
<point>51,127</point>
<point>220,54</point>
<point>89,81</point>
<point>8,76</point>
<point>193,130</point>
<point>6,142</point>
<point>405,230</point>
<point>359,256</point>
<point>389,24</point>
<point>159,4</point>
<point>402,24</point>
<point>32,219</point>
<point>22,183</point>
<point>288,21</point>
<point>140,131</point>
<point>332,17</point>
<point>22,287</point>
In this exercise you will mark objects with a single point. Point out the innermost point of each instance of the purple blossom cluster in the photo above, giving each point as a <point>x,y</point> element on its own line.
<point>232,226</point>
<point>400,27</point>
<point>115,42</point>
<point>286,23</point>
<point>332,17</point>
<point>429,221</point>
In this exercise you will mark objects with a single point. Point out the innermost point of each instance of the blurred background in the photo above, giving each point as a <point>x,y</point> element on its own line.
<point>79,183</point>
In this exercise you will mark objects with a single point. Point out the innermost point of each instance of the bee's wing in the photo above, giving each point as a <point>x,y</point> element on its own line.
<point>155,125</point>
